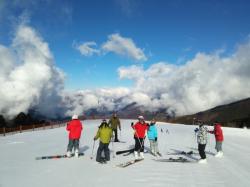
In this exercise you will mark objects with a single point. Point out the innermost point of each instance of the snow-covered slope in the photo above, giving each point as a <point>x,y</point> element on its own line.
<point>20,169</point>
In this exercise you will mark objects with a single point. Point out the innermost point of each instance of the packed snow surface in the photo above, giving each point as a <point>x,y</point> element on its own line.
<point>19,168</point>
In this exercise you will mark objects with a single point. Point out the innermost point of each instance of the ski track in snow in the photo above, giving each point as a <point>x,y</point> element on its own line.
<point>20,169</point>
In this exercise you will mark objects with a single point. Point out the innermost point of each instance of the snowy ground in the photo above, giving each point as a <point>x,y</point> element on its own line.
<point>20,169</point>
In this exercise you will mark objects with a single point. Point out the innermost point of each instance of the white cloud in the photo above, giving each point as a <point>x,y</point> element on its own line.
<point>201,83</point>
<point>100,99</point>
<point>124,47</point>
<point>133,72</point>
<point>28,77</point>
<point>117,44</point>
<point>87,48</point>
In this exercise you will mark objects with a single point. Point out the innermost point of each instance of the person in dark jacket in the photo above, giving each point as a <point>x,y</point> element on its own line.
<point>104,133</point>
<point>75,129</point>
<point>115,123</point>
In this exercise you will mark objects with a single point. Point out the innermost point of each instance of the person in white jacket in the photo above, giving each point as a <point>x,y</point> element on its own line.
<point>202,141</point>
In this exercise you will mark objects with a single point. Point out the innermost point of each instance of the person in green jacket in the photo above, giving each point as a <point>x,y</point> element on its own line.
<point>114,123</point>
<point>104,133</point>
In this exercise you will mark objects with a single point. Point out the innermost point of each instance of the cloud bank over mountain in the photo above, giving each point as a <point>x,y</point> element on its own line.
<point>30,79</point>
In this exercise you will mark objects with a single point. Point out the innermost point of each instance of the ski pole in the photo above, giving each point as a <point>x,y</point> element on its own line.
<point>209,143</point>
<point>92,150</point>
<point>120,134</point>
<point>195,139</point>
<point>113,147</point>
<point>139,139</point>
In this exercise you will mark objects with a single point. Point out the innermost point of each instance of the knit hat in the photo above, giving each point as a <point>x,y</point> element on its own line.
<point>141,117</point>
<point>75,116</point>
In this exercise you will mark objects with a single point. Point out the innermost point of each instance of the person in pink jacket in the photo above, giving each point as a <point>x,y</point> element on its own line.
<point>75,129</point>
<point>219,138</point>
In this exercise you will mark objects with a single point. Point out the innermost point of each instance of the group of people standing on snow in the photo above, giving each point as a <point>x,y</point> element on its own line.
<point>105,133</point>
<point>141,128</point>
<point>202,139</point>
<point>109,129</point>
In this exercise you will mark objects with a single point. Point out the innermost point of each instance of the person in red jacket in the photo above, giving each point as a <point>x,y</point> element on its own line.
<point>219,138</point>
<point>75,129</point>
<point>140,129</point>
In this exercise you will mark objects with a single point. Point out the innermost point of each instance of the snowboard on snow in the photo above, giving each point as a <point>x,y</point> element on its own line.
<point>128,163</point>
<point>179,159</point>
<point>57,156</point>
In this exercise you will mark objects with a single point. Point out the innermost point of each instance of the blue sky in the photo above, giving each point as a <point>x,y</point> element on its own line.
<point>165,31</point>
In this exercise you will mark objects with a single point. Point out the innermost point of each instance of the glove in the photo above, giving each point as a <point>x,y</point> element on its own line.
<point>95,139</point>
<point>196,130</point>
<point>132,124</point>
<point>156,139</point>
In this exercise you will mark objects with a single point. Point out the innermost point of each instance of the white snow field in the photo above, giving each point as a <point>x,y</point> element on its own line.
<point>20,169</point>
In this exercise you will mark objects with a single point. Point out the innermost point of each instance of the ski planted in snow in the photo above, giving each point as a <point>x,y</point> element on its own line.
<point>56,156</point>
<point>128,163</point>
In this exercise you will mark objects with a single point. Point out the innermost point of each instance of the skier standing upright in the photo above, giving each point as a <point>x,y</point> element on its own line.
<point>219,138</point>
<point>202,141</point>
<point>153,138</point>
<point>140,129</point>
<point>75,128</point>
<point>104,133</point>
<point>115,123</point>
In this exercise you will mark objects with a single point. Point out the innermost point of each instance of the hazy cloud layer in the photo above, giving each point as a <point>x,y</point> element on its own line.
<point>100,99</point>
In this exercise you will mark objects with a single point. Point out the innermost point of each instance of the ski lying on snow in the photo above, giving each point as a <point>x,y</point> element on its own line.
<point>128,163</point>
<point>56,156</point>
<point>182,153</point>
<point>118,141</point>
<point>125,151</point>
<point>180,159</point>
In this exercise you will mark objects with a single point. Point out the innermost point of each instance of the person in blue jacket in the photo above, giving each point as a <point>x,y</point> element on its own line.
<point>153,138</point>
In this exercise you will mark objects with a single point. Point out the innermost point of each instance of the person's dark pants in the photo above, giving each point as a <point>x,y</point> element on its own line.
<point>103,147</point>
<point>116,135</point>
<point>201,148</point>
<point>139,144</point>
<point>73,143</point>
